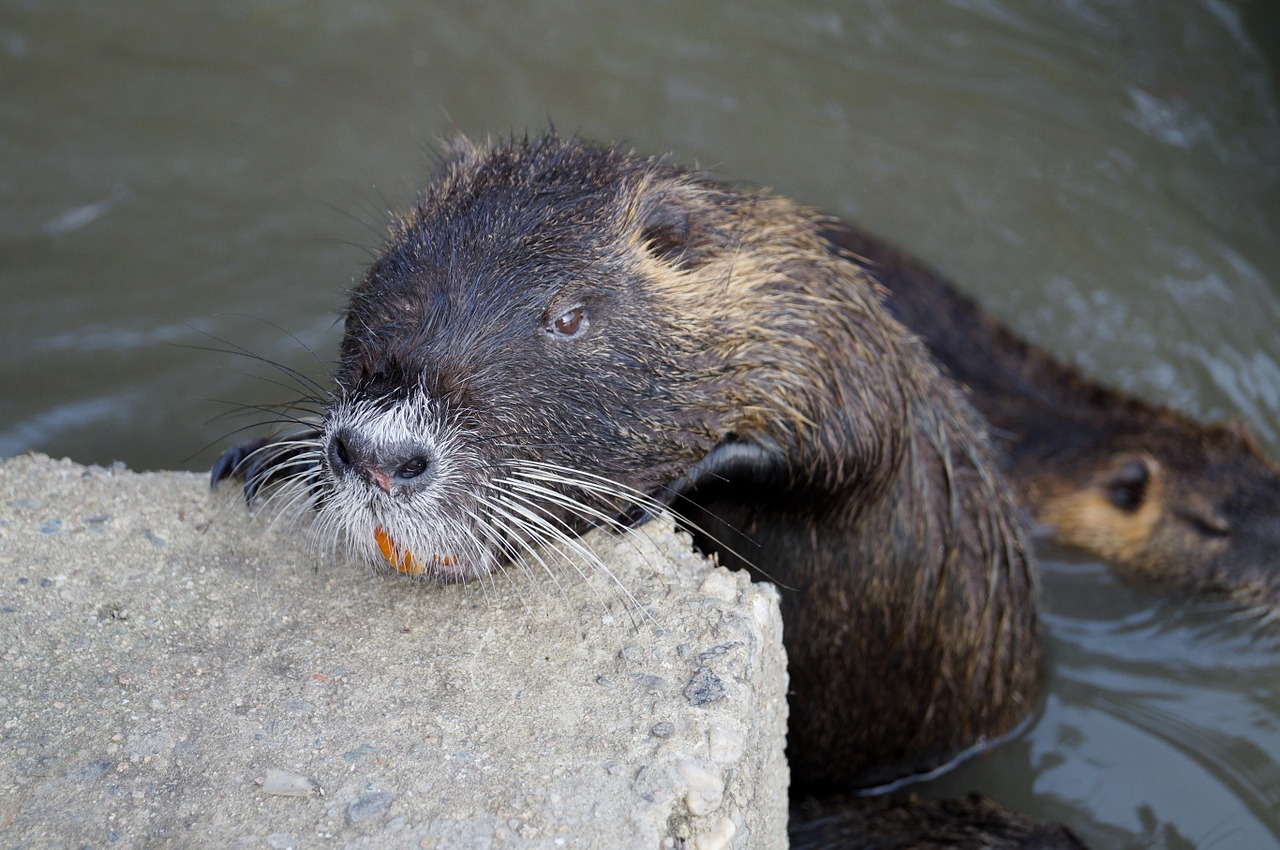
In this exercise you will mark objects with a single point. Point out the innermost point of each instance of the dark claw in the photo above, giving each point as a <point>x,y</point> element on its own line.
<point>265,462</point>
<point>254,476</point>
<point>229,463</point>
<point>250,462</point>
<point>635,516</point>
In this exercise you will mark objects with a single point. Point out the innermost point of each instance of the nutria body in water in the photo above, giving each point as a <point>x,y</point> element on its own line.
<point>560,333</point>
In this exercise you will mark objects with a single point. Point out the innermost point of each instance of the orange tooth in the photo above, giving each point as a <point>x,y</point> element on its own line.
<point>402,559</point>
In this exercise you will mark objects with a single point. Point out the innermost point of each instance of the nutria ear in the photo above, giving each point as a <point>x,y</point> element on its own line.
<point>1127,483</point>
<point>667,231</point>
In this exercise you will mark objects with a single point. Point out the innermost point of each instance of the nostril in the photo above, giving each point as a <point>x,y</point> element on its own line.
<point>349,452</point>
<point>340,452</point>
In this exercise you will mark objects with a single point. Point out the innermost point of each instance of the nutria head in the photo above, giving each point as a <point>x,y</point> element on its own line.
<point>1176,500</point>
<point>557,332</point>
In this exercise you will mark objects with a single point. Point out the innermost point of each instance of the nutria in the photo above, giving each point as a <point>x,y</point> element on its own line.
<point>560,333</point>
<point>1137,484</point>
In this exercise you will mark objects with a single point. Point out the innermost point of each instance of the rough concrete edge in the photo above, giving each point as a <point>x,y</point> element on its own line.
<point>112,582</point>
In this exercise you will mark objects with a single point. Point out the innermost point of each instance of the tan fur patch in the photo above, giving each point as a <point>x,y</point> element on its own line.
<point>1088,519</point>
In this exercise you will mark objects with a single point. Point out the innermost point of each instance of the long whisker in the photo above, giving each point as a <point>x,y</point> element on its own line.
<point>542,527</point>
<point>518,557</point>
<point>300,378</point>
<point>548,528</point>
<point>605,486</point>
<point>290,498</point>
<point>310,409</point>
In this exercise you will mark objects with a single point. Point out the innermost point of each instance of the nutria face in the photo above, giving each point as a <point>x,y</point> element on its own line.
<point>1199,507</point>
<point>558,335</point>
<point>508,374</point>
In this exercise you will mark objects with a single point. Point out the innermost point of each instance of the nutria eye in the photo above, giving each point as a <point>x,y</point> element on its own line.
<point>571,323</point>
<point>1127,487</point>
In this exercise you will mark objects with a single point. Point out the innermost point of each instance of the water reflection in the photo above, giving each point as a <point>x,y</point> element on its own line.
<point>1160,727</point>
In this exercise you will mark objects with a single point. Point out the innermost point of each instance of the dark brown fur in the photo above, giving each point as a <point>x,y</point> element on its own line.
<point>909,822</point>
<point>732,366</point>
<point>1135,483</point>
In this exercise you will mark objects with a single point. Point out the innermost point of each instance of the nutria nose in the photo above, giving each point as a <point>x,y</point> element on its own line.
<point>402,466</point>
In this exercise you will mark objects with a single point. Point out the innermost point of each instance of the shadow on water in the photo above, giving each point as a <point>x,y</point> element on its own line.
<point>1105,176</point>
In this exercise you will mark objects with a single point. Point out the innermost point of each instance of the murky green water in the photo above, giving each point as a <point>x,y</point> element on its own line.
<point>1105,175</point>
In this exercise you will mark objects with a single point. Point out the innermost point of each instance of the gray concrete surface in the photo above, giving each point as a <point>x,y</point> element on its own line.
<point>173,673</point>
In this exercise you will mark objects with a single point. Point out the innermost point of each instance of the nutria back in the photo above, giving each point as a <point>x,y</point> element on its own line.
<point>560,334</point>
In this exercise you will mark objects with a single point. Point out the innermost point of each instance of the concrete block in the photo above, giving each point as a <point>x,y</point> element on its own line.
<point>175,673</point>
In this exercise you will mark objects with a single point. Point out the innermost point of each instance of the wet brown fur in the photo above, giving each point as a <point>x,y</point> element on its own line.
<point>1137,484</point>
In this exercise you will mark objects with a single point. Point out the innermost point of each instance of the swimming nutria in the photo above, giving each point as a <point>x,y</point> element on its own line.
<point>559,333</point>
<point>1135,483</point>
